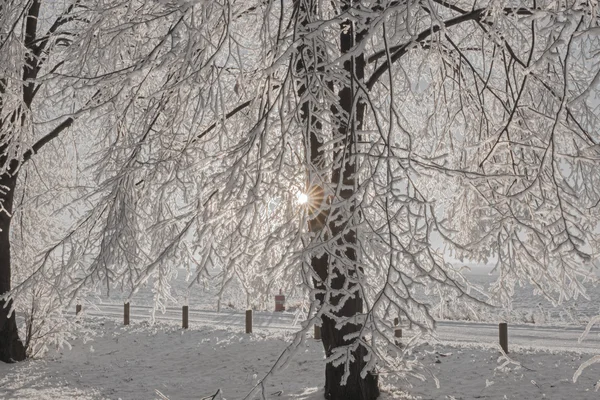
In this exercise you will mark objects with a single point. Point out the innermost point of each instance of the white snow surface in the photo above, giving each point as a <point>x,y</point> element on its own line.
<point>162,361</point>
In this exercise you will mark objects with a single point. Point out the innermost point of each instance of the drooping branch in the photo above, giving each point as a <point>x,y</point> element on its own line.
<point>54,133</point>
<point>63,19</point>
<point>47,139</point>
<point>230,114</point>
<point>227,116</point>
<point>401,50</point>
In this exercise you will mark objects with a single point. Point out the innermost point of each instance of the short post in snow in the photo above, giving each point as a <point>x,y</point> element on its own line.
<point>126,314</point>
<point>280,301</point>
<point>397,332</point>
<point>78,309</point>
<point>248,321</point>
<point>503,336</point>
<point>317,332</point>
<point>185,317</point>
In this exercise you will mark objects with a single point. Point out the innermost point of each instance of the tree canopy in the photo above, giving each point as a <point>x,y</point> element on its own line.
<point>420,131</point>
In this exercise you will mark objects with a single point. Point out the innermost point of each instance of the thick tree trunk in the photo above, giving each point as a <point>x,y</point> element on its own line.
<point>349,115</point>
<point>335,219</point>
<point>11,347</point>
<point>356,387</point>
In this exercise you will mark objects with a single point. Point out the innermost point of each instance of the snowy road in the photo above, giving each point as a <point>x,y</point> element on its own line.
<point>540,337</point>
<point>537,337</point>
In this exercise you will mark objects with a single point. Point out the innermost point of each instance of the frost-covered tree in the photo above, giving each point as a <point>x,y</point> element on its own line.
<point>55,68</point>
<point>417,130</point>
<point>170,55</point>
<point>27,121</point>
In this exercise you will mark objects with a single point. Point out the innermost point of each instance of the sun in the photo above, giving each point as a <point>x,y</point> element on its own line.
<point>302,198</point>
<point>311,199</point>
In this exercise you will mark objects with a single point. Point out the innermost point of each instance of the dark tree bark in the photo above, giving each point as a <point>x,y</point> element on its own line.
<point>344,178</point>
<point>11,347</point>
<point>348,120</point>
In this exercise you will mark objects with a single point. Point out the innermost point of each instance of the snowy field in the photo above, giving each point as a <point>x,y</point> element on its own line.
<point>161,361</point>
<point>216,359</point>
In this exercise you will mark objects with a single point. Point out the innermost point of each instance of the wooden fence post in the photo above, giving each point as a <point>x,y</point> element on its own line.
<point>126,314</point>
<point>78,309</point>
<point>397,332</point>
<point>185,310</point>
<point>503,336</point>
<point>397,336</point>
<point>280,301</point>
<point>317,332</point>
<point>248,321</point>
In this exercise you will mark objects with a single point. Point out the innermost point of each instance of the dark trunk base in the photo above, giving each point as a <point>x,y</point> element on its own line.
<point>11,347</point>
<point>356,388</point>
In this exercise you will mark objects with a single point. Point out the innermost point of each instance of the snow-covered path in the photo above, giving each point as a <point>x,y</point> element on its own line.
<point>527,336</point>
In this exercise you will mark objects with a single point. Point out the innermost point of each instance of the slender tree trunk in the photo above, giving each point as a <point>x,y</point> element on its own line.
<point>11,347</point>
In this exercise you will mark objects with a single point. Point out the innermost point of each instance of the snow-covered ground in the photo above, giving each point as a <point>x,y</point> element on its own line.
<point>160,361</point>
